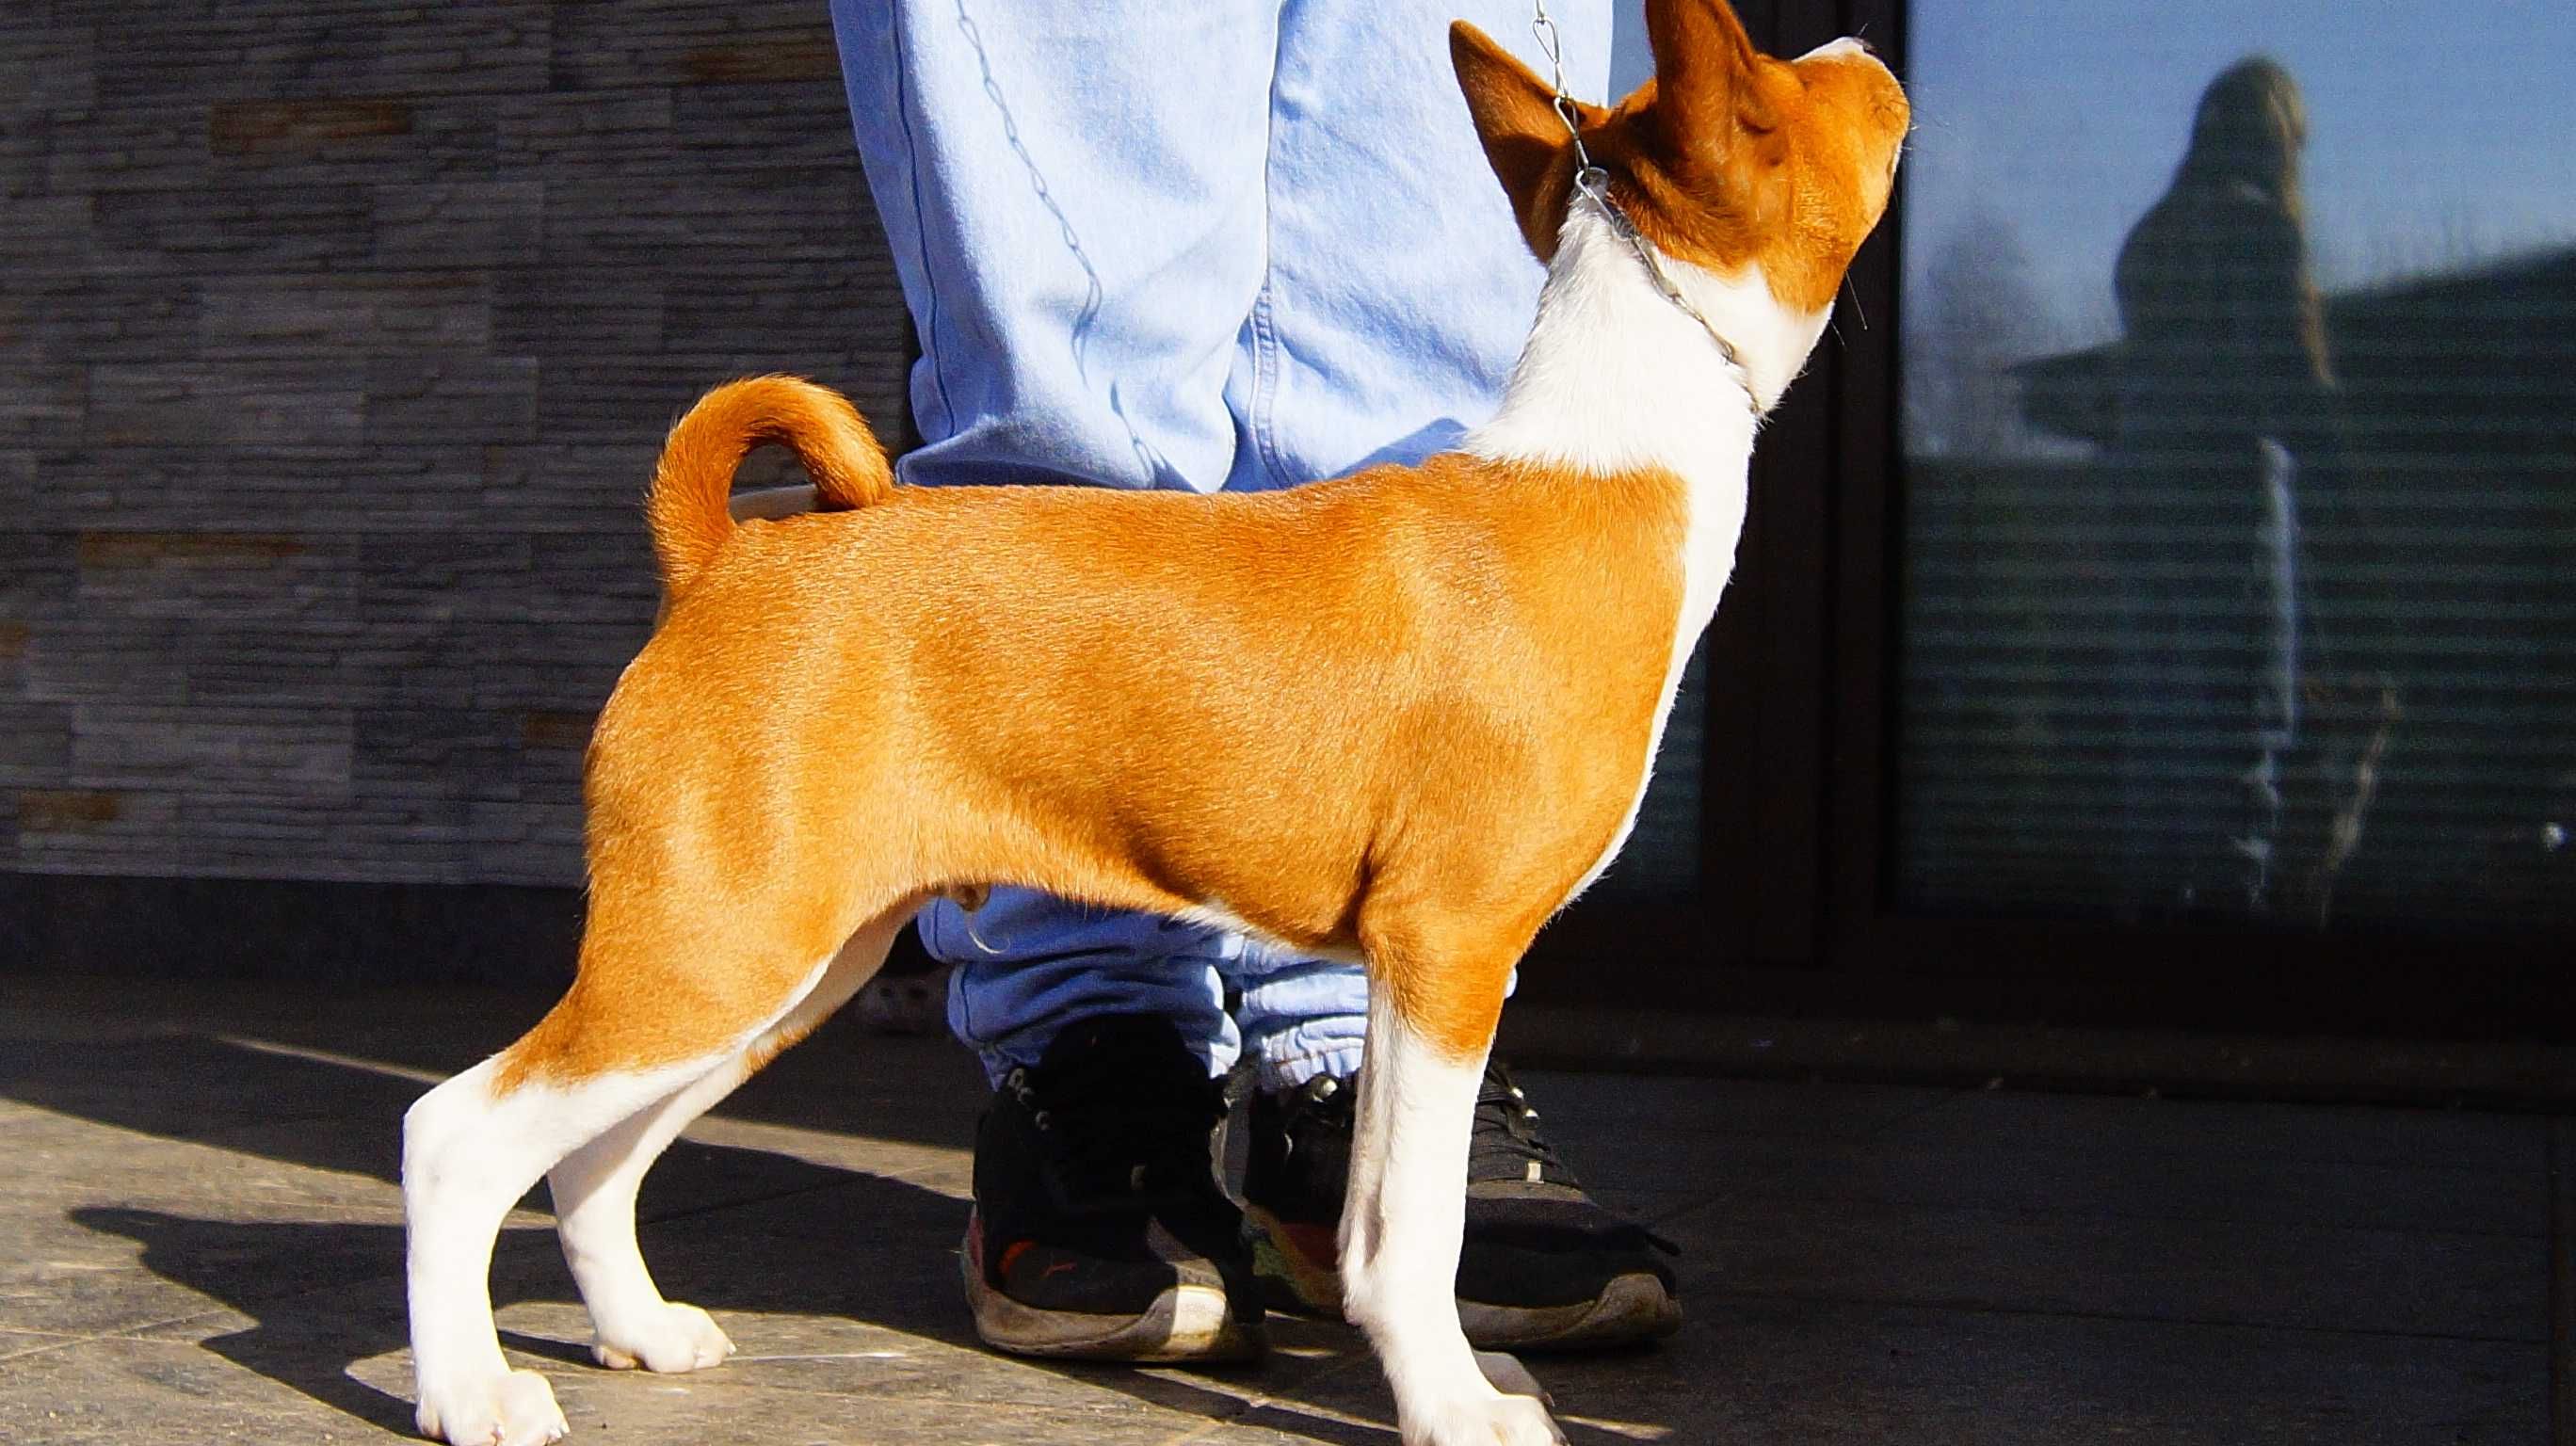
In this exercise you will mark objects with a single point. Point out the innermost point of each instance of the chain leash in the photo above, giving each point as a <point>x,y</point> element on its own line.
<point>1593,183</point>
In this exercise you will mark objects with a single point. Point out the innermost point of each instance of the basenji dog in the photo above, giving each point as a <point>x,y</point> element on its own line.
<point>1402,716</point>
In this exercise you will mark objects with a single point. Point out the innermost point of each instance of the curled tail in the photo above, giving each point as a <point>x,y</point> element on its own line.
<point>686,507</point>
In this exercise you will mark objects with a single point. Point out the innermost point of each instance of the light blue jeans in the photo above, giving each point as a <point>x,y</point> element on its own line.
<point>1192,245</point>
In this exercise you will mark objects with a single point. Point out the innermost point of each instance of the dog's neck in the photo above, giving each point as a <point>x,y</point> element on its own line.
<point>1616,378</point>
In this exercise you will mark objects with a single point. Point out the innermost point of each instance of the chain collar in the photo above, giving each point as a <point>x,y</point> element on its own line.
<point>1592,182</point>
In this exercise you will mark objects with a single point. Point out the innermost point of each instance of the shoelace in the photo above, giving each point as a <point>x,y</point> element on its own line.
<point>1506,1144</point>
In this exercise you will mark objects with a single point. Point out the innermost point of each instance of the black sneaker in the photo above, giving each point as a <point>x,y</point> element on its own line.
<point>1100,1230</point>
<point>1543,1266</point>
<point>1294,1177</point>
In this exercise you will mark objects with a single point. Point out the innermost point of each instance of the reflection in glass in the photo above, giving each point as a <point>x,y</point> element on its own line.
<point>2229,589</point>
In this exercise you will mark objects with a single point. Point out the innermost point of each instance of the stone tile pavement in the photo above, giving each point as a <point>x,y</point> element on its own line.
<point>200,1241</point>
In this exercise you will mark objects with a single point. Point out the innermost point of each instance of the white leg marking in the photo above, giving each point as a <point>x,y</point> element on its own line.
<point>594,1190</point>
<point>467,1158</point>
<point>1401,1227</point>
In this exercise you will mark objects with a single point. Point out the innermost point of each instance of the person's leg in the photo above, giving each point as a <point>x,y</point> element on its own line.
<point>1398,292</point>
<point>1079,239</point>
<point>2275,615</point>
<point>1398,289</point>
<point>1249,287</point>
<point>1073,195</point>
<point>1397,295</point>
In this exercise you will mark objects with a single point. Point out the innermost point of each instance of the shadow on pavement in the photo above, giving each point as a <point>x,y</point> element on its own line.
<point>795,1237</point>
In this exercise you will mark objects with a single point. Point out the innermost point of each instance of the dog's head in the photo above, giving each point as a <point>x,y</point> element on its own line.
<point>1728,159</point>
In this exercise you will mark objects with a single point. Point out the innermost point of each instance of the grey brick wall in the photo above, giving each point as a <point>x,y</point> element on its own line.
<point>335,340</point>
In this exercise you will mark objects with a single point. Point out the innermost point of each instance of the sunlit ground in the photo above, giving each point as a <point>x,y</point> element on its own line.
<point>200,1240</point>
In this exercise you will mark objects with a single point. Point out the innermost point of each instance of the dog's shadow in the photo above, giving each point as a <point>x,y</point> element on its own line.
<point>326,1298</point>
<point>327,1310</point>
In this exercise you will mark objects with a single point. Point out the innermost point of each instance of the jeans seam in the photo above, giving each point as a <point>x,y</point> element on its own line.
<point>1264,353</point>
<point>1265,339</point>
<point>929,327</point>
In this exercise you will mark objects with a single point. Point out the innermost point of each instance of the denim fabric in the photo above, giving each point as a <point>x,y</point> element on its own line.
<point>1199,246</point>
<point>1028,964</point>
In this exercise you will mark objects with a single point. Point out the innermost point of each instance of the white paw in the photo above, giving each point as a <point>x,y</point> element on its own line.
<point>1509,1376</point>
<point>516,1410</point>
<point>681,1338</point>
<point>1500,1421</point>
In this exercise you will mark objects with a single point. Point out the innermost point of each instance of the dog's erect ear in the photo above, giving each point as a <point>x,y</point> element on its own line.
<point>1525,139</point>
<point>1706,75</point>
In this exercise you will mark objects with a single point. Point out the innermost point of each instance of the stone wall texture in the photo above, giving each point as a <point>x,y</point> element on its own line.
<point>336,337</point>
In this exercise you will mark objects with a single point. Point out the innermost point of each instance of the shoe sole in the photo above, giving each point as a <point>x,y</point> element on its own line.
<point>1632,1308</point>
<point>1187,1323</point>
<point>1291,1280</point>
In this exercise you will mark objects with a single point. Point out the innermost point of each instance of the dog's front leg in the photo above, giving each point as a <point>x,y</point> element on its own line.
<point>1430,1024</point>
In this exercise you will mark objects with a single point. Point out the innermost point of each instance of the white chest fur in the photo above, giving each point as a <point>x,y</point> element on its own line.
<point>1616,379</point>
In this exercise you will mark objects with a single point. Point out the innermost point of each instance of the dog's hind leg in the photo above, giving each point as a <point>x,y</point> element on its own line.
<point>659,1011</point>
<point>471,1148</point>
<point>594,1187</point>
